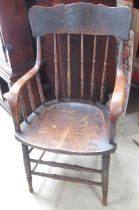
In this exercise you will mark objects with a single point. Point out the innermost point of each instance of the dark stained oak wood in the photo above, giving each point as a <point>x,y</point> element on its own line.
<point>16,32</point>
<point>27,166</point>
<point>20,85</point>
<point>111,3</point>
<point>80,18</point>
<point>67,178</point>
<point>75,128</point>
<point>66,166</point>
<point>17,49</point>
<point>69,124</point>
<point>105,177</point>
<point>47,46</point>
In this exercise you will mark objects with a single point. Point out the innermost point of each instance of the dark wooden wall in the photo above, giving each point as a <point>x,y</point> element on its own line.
<point>16,33</point>
<point>52,2</point>
<point>17,55</point>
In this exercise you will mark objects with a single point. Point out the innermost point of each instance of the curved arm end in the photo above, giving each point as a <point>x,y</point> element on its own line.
<point>118,97</point>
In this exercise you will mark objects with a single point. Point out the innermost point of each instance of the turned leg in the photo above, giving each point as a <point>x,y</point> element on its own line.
<point>105,177</point>
<point>27,166</point>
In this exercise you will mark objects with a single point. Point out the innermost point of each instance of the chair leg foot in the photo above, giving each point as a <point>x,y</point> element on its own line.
<point>105,177</point>
<point>30,185</point>
<point>27,166</point>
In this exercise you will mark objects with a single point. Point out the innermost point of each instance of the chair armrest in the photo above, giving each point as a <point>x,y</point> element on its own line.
<point>122,85</point>
<point>13,97</point>
<point>15,89</point>
<point>118,97</point>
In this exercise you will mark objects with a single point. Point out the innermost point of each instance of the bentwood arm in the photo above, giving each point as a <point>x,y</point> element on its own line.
<point>118,97</point>
<point>14,95</point>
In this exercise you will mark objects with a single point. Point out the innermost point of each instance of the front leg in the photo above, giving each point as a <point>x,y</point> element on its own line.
<point>105,177</point>
<point>27,166</point>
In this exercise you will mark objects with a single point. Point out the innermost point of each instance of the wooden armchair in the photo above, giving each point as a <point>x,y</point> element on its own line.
<point>71,125</point>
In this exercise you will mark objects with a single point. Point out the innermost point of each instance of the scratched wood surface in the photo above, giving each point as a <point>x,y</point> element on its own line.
<point>66,125</point>
<point>72,127</point>
<point>78,18</point>
<point>79,83</point>
<point>47,48</point>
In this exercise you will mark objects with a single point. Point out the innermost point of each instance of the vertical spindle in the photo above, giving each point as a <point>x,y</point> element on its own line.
<point>23,107</point>
<point>93,68</point>
<point>82,65</point>
<point>31,97</point>
<point>68,66</point>
<point>102,93</point>
<point>56,67</point>
<point>120,54</point>
<point>40,88</point>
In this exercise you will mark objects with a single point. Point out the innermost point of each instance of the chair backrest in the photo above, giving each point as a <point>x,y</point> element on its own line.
<point>84,19</point>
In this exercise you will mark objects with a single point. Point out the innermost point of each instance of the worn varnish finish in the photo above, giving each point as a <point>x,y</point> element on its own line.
<point>68,125</point>
<point>80,18</point>
<point>47,46</point>
<point>111,3</point>
<point>71,128</point>
<point>16,56</point>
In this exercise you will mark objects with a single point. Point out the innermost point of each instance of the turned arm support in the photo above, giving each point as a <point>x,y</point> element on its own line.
<point>13,98</point>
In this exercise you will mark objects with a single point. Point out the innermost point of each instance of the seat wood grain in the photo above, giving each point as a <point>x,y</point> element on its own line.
<point>70,127</point>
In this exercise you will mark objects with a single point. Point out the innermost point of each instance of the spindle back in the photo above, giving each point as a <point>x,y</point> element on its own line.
<point>85,19</point>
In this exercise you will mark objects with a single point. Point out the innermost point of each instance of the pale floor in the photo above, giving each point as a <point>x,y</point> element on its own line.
<point>52,195</point>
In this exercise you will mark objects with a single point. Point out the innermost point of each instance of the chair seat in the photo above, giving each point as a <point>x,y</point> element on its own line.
<point>68,127</point>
